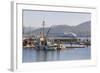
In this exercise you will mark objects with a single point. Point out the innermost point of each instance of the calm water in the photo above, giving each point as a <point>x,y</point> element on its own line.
<point>32,55</point>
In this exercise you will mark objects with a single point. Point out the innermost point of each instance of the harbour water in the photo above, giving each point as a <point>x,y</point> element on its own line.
<point>33,55</point>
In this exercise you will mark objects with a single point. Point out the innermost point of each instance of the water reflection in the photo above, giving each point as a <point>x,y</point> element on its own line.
<point>32,55</point>
<point>42,55</point>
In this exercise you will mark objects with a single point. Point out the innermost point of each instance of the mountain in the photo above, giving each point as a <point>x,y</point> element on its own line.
<point>61,28</point>
<point>27,30</point>
<point>83,29</point>
<point>37,31</point>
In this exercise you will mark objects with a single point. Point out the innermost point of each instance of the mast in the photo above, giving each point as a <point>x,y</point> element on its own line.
<point>43,26</point>
<point>42,36</point>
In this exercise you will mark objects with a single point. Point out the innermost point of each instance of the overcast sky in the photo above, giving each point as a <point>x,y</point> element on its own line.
<point>35,18</point>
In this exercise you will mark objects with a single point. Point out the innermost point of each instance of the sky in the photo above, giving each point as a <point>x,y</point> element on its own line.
<point>34,19</point>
